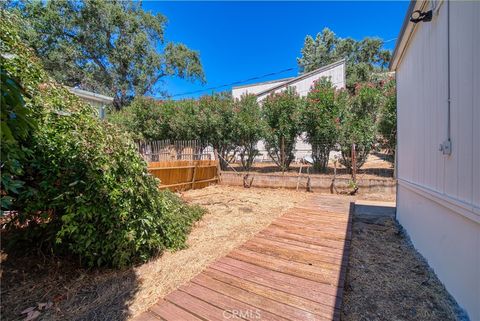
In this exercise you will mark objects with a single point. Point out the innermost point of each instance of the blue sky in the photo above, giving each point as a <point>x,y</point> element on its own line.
<point>240,40</point>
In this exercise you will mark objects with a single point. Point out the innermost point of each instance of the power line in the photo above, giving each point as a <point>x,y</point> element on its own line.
<point>239,82</point>
<point>235,82</point>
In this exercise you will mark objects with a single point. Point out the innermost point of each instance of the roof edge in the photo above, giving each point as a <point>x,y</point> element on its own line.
<point>263,82</point>
<point>302,76</point>
<point>404,36</point>
<point>91,95</point>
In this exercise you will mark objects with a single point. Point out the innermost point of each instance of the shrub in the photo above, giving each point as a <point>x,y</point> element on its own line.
<point>86,189</point>
<point>281,112</point>
<point>249,128</point>
<point>358,123</point>
<point>387,126</point>
<point>320,120</point>
<point>216,121</point>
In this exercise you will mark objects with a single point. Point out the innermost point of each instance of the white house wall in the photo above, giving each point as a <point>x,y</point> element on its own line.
<point>302,86</point>
<point>439,195</point>
<point>254,89</point>
<point>336,74</point>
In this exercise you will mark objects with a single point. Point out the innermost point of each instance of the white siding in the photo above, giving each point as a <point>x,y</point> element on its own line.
<point>448,241</point>
<point>302,86</point>
<point>422,106</point>
<point>439,195</point>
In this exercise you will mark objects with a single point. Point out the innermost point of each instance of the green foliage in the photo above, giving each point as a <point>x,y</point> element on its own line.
<point>15,127</point>
<point>281,112</point>
<point>216,120</point>
<point>210,120</point>
<point>86,190</point>
<point>363,57</point>
<point>110,47</point>
<point>249,128</point>
<point>145,119</point>
<point>320,120</point>
<point>358,123</point>
<point>387,126</point>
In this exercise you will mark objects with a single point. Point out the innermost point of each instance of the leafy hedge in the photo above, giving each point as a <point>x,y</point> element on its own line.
<point>83,188</point>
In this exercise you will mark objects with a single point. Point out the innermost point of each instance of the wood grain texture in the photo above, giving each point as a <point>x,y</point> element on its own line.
<point>185,174</point>
<point>292,270</point>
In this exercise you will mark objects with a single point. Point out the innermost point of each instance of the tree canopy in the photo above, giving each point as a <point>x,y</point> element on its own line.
<point>362,56</point>
<point>110,47</point>
<point>71,183</point>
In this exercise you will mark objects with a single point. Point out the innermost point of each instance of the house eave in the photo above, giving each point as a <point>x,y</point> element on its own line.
<point>91,96</point>
<point>303,76</point>
<point>406,33</point>
<point>263,83</point>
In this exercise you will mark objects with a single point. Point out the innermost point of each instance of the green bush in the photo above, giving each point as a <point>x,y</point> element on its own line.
<point>85,190</point>
<point>249,128</point>
<point>281,112</point>
<point>320,120</point>
<point>387,125</point>
<point>358,123</point>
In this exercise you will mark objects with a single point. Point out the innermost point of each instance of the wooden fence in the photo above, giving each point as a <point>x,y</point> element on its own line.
<point>185,174</point>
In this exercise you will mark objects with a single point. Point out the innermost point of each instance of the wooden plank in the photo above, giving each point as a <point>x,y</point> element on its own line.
<point>315,220</point>
<point>147,316</point>
<point>310,232</point>
<point>311,293</point>
<point>261,302</point>
<point>323,249</point>
<point>313,273</point>
<point>177,174</point>
<point>294,252</point>
<point>335,231</point>
<point>268,292</point>
<point>335,244</point>
<point>168,311</point>
<point>231,307</point>
<point>188,183</point>
<point>334,228</point>
<point>290,256</point>
<point>195,306</point>
<point>292,270</point>
<point>319,213</point>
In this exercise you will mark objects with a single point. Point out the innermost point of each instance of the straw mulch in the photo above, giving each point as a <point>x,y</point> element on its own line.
<point>388,280</point>
<point>59,289</point>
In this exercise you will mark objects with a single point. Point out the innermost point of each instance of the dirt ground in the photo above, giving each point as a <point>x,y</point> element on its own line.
<point>234,215</point>
<point>376,166</point>
<point>388,280</point>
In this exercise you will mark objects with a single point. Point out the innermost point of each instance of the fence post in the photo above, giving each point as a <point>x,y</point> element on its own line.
<point>194,173</point>
<point>354,164</point>
<point>217,159</point>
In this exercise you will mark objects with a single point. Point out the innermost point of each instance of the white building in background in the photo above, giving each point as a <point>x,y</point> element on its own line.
<point>302,84</point>
<point>437,66</point>
<point>96,100</point>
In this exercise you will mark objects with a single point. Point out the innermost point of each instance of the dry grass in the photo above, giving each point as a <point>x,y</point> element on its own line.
<point>388,280</point>
<point>234,215</point>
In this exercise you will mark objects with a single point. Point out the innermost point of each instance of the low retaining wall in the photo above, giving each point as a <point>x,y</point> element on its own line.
<point>317,183</point>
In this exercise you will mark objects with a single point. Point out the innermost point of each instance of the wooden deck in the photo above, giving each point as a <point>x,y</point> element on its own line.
<point>292,270</point>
